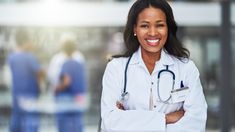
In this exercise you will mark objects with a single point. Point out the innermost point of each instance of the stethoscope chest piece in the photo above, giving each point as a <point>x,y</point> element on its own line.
<point>125,96</point>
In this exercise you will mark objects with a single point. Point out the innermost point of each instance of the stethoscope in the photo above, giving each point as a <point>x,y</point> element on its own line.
<point>125,95</point>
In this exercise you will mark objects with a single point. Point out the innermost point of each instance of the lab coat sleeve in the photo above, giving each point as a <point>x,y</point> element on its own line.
<point>194,119</point>
<point>116,120</point>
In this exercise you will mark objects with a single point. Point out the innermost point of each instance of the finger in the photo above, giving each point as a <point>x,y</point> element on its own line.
<point>119,105</point>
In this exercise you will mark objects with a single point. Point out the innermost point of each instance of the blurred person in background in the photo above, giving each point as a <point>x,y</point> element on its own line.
<point>59,58</point>
<point>70,88</point>
<point>26,77</point>
<point>153,86</point>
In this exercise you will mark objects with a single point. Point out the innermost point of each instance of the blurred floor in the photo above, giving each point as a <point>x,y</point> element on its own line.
<point>53,129</point>
<point>91,128</point>
<point>91,121</point>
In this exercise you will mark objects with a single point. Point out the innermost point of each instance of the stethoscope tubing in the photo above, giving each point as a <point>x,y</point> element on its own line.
<point>125,93</point>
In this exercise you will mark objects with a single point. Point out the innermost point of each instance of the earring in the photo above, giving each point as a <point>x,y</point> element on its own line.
<point>134,34</point>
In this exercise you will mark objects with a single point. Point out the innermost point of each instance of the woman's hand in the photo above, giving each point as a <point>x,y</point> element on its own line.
<point>120,105</point>
<point>173,117</point>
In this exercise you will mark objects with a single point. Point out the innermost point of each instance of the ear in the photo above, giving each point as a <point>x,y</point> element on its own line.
<point>134,29</point>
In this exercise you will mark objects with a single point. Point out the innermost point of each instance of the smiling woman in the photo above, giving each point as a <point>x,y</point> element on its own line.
<point>153,53</point>
<point>151,31</point>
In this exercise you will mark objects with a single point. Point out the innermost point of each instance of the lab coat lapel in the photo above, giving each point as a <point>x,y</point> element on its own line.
<point>165,59</point>
<point>138,60</point>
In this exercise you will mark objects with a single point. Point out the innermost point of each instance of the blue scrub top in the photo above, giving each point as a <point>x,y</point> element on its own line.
<point>76,71</point>
<point>24,67</point>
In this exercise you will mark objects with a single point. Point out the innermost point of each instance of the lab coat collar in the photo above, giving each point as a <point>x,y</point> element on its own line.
<point>165,59</point>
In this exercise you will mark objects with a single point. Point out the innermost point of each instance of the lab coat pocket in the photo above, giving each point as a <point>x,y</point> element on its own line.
<point>179,95</point>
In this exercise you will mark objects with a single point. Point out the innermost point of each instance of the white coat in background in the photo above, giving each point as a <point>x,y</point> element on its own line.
<point>139,84</point>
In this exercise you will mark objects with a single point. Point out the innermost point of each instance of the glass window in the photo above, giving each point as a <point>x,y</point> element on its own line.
<point>204,46</point>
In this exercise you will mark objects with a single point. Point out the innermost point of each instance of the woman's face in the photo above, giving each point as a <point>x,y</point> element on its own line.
<point>151,30</point>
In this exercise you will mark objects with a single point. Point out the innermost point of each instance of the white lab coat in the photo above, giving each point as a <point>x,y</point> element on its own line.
<point>139,82</point>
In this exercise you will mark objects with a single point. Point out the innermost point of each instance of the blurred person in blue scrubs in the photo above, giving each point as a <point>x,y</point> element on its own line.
<point>71,89</point>
<point>26,76</point>
<point>59,58</point>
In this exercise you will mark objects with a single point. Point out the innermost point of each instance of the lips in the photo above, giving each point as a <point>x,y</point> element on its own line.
<point>153,42</point>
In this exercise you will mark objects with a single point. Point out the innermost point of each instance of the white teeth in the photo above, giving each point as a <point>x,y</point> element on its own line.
<point>153,41</point>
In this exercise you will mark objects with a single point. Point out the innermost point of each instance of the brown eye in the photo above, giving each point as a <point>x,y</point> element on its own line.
<point>160,25</point>
<point>144,26</point>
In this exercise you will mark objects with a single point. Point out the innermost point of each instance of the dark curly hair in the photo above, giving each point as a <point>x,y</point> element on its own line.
<point>173,46</point>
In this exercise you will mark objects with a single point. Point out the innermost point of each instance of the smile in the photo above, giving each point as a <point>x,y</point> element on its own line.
<point>153,41</point>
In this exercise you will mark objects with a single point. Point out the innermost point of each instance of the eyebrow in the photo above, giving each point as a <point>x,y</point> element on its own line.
<point>158,21</point>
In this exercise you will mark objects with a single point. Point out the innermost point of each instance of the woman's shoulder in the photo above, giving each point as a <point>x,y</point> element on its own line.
<point>118,61</point>
<point>117,64</point>
<point>187,64</point>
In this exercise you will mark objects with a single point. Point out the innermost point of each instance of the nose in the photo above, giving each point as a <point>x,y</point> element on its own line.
<point>152,31</point>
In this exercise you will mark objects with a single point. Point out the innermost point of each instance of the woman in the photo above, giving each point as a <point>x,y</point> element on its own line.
<point>153,86</point>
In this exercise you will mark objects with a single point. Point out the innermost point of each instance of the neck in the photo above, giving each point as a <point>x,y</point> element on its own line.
<point>150,59</point>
